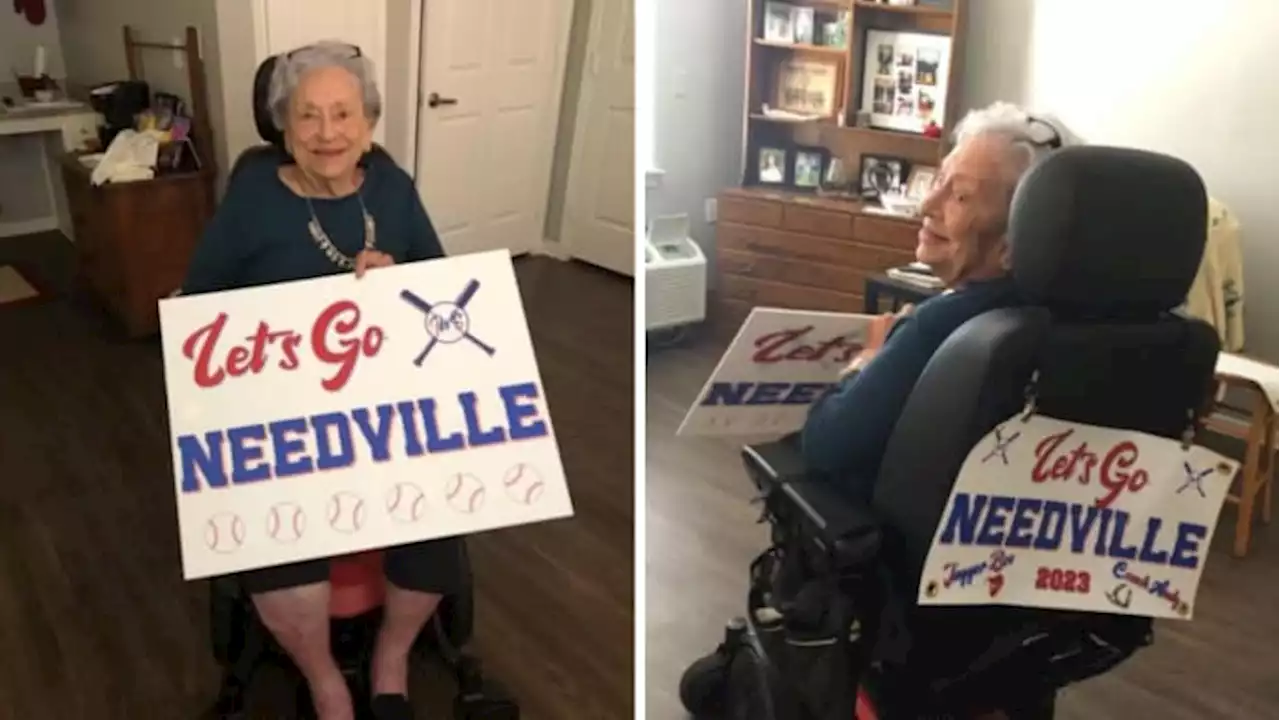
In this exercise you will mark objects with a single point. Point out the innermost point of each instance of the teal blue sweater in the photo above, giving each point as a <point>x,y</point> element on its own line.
<point>258,236</point>
<point>848,428</point>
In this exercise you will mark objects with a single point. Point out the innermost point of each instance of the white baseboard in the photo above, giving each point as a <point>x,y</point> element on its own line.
<point>28,227</point>
<point>553,249</point>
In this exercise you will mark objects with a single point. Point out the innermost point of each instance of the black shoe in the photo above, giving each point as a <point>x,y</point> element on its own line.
<point>391,707</point>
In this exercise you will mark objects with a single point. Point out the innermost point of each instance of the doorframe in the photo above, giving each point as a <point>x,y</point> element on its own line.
<point>564,27</point>
<point>586,95</point>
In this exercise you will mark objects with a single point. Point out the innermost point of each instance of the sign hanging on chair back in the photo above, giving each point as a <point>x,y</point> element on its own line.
<point>1064,516</point>
<point>779,363</point>
<point>330,416</point>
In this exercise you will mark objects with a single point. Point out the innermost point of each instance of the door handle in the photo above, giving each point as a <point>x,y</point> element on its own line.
<point>434,100</point>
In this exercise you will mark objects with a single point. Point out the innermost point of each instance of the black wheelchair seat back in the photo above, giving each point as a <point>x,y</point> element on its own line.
<point>1105,243</point>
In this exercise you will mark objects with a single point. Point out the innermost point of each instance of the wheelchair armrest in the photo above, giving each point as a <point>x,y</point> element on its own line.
<point>846,526</point>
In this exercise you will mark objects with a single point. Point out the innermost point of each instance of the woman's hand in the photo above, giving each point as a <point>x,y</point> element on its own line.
<point>877,332</point>
<point>368,259</point>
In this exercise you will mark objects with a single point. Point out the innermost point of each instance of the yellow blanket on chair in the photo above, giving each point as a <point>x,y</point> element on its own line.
<point>1217,295</point>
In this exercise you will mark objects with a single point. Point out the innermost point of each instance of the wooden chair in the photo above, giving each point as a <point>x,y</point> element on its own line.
<point>1254,423</point>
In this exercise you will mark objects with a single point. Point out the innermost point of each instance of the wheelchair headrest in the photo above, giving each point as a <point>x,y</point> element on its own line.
<point>267,129</point>
<point>1108,231</point>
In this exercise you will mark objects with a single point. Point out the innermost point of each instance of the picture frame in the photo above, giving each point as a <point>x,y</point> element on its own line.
<point>881,173</point>
<point>920,182</point>
<point>904,79</point>
<point>771,166</point>
<point>808,167</point>
<point>807,87</point>
<point>779,22</point>
<point>802,19</point>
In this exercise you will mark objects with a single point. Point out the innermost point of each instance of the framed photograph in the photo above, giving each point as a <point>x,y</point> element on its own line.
<point>802,23</point>
<point>771,166</point>
<point>904,79</point>
<point>779,22</point>
<point>808,165</point>
<point>881,174</point>
<point>920,182</point>
<point>807,87</point>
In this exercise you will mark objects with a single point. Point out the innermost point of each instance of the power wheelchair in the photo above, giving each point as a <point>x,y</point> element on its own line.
<point>1105,243</point>
<point>242,644</point>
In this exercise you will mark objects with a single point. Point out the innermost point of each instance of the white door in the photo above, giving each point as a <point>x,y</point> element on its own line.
<point>492,72</point>
<point>283,25</point>
<point>599,218</point>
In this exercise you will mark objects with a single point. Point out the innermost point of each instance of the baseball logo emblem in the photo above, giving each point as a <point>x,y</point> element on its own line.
<point>464,492</point>
<point>285,522</point>
<point>447,322</point>
<point>523,484</point>
<point>406,503</point>
<point>346,512</point>
<point>224,533</point>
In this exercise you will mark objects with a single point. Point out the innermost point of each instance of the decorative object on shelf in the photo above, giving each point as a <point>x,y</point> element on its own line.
<point>771,166</point>
<point>807,87</point>
<point>920,182</point>
<point>880,174</point>
<point>779,22</point>
<point>836,33</point>
<point>802,23</point>
<point>807,168</point>
<point>904,79</point>
<point>902,3</point>
<point>862,119</point>
<point>932,130</point>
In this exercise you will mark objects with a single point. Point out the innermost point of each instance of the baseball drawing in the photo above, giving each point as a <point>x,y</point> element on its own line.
<point>523,484</point>
<point>346,512</point>
<point>464,492</point>
<point>406,503</point>
<point>285,522</point>
<point>224,533</point>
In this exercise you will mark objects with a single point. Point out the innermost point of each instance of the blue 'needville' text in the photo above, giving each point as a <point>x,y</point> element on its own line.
<point>279,449</point>
<point>1027,522</point>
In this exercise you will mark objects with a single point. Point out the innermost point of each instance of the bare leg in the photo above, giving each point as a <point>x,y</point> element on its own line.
<point>405,614</point>
<point>298,617</point>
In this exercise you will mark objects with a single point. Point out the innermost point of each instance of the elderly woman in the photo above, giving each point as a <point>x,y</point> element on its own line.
<point>963,239</point>
<point>329,207</point>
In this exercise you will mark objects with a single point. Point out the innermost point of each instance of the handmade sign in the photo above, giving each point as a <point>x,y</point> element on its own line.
<point>1064,516</point>
<point>330,416</point>
<point>777,366</point>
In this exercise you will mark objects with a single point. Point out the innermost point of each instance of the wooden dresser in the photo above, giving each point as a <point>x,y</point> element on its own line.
<point>794,251</point>
<point>134,240</point>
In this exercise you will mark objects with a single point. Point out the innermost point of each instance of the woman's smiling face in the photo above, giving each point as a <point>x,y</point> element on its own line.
<point>328,130</point>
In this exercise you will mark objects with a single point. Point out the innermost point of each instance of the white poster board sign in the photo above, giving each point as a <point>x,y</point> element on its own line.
<point>779,363</point>
<point>1064,516</point>
<point>331,416</point>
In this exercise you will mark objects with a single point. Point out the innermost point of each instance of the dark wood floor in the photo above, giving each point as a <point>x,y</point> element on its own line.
<point>95,620</point>
<point>701,534</point>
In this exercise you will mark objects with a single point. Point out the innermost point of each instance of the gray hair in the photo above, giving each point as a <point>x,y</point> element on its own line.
<point>1029,133</point>
<point>292,67</point>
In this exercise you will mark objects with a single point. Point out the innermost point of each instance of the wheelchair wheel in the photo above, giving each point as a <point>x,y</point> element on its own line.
<point>705,684</point>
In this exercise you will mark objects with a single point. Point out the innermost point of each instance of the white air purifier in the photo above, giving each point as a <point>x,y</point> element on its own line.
<point>675,272</point>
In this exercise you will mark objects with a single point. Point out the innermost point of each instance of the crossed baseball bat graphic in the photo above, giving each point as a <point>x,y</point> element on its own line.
<point>461,301</point>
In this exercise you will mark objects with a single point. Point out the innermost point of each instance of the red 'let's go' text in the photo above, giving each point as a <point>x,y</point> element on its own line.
<point>1117,467</point>
<point>335,339</point>
<point>795,344</point>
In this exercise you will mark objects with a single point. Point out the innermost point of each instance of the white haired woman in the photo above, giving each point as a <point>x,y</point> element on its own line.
<point>329,206</point>
<point>963,239</point>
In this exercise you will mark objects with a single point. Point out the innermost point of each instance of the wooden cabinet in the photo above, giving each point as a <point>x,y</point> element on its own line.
<point>808,253</point>
<point>134,240</point>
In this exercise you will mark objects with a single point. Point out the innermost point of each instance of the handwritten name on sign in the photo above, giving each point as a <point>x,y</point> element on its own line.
<point>1057,515</point>
<point>335,415</point>
<point>780,363</point>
